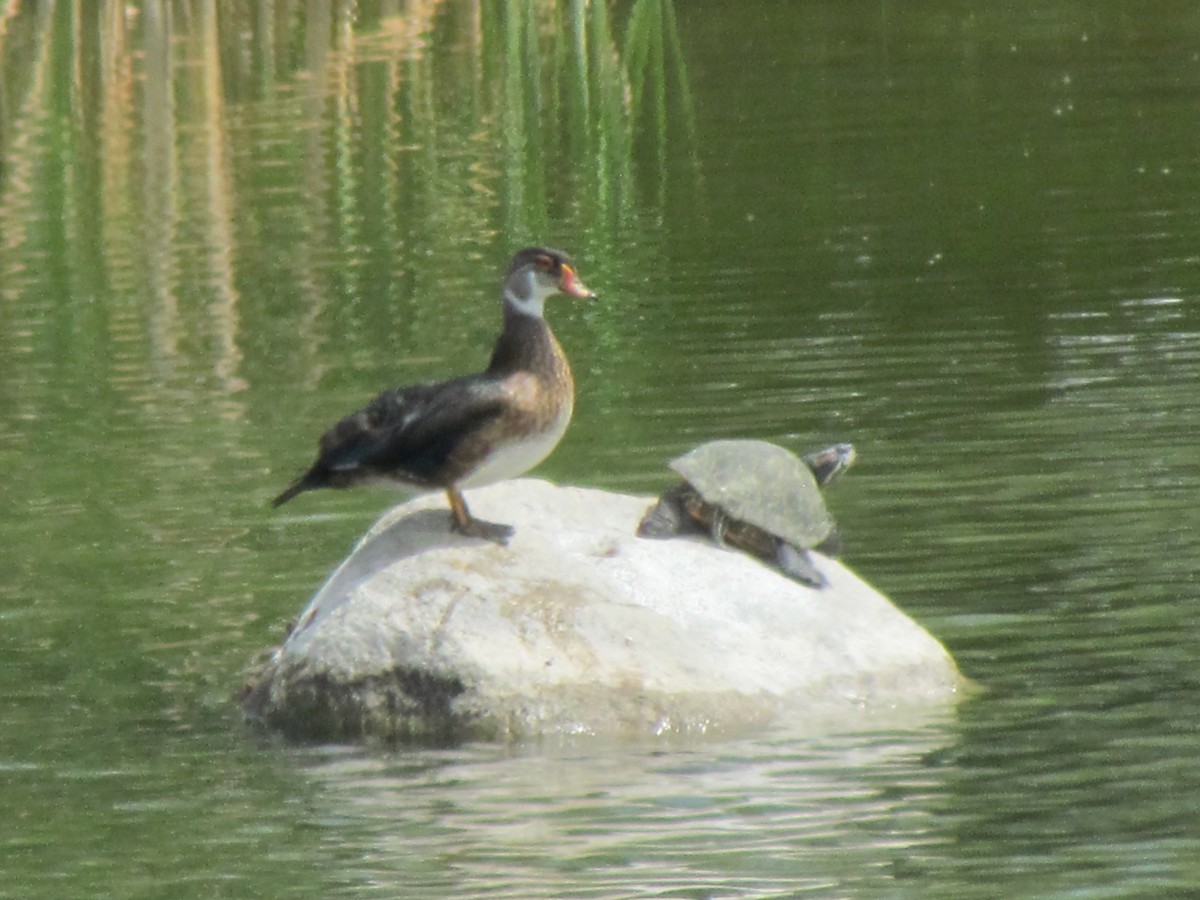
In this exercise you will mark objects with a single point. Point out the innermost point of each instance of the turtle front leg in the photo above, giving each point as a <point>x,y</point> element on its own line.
<point>720,523</point>
<point>797,564</point>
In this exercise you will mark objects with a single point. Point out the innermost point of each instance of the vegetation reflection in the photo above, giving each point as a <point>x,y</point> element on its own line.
<point>162,158</point>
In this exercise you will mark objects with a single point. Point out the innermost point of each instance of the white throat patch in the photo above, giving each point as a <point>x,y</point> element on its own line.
<point>534,301</point>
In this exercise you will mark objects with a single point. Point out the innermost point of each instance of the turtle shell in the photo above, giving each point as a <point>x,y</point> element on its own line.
<point>760,484</point>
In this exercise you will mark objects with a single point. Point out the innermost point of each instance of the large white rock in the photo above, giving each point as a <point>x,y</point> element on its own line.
<point>580,626</point>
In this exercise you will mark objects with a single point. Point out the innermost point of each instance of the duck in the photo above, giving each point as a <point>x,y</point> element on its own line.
<point>472,430</point>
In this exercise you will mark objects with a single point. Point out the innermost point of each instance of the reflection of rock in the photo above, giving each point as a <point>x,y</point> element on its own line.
<point>579,626</point>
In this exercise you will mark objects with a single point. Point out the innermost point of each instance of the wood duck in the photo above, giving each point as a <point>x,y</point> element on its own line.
<point>471,430</point>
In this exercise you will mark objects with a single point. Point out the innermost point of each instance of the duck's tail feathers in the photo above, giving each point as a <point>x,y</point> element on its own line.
<point>299,486</point>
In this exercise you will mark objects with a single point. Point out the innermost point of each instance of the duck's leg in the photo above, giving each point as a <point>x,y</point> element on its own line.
<point>464,523</point>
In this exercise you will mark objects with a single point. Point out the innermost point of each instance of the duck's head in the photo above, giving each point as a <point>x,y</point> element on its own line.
<point>536,273</point>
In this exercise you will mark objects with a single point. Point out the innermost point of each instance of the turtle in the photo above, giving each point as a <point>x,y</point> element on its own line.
<point>757,497</point>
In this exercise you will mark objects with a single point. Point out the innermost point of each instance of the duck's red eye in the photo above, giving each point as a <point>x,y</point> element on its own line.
<point>544,263</point>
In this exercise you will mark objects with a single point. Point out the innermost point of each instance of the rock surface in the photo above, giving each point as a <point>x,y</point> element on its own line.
<point>578,626</point>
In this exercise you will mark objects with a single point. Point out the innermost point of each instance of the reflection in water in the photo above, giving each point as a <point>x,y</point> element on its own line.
<point>219,242</point>
<point>757,818</point>
<point>160,189</point>
<point>480,122</point>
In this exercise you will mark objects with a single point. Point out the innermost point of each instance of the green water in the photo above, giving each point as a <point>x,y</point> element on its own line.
<point>963,238</point>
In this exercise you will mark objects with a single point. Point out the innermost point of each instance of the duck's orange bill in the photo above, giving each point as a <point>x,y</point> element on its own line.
<point>570,284</point>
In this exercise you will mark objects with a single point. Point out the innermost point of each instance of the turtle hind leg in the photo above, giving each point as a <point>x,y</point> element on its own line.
<point>797,564</point>
<point>663,520</point>
<point>666,518</point>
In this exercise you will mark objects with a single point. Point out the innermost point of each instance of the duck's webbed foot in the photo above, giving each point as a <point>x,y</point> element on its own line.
<point>466,524</point>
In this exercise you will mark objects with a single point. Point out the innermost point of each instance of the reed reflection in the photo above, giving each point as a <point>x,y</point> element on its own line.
<point>167,156</point>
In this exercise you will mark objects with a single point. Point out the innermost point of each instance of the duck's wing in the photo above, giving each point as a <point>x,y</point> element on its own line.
<point>411,433</point>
